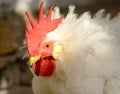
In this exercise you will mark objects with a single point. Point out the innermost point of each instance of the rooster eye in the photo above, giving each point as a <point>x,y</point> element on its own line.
<point>47,45</point>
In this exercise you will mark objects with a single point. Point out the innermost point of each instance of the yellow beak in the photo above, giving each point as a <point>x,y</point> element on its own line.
<point>32,60</point>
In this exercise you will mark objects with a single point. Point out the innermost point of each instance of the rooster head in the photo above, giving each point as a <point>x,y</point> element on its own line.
<point>42,52</point>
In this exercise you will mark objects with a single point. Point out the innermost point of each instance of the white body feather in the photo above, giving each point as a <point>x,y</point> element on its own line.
<point>90,62</point>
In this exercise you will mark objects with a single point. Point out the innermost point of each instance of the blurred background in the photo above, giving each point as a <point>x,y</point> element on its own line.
<point>15,77</point>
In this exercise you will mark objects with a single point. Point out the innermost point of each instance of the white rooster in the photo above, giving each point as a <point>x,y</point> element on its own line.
<point>74,55</point>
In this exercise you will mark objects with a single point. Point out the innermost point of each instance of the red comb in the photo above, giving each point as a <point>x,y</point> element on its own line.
<point>37,31</point>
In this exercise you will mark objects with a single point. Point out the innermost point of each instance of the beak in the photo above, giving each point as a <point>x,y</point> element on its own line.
<point>33,60</point>
<point>57,51</point>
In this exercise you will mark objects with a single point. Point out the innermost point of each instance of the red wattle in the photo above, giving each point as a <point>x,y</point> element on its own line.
<point>44,67</point>
<point>36,67</point>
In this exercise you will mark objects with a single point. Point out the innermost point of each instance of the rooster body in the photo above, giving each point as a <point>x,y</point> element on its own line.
<point>89,62</point>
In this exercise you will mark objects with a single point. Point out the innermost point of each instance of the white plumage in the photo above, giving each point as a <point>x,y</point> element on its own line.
<point>90,62</point>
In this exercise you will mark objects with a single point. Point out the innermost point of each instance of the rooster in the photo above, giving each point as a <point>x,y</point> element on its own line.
<point>74,54</point>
